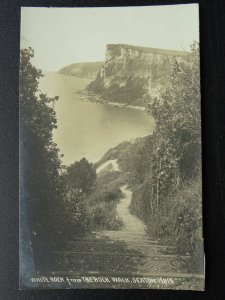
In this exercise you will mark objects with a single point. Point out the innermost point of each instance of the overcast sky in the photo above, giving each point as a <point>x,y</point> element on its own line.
<point>61,36</point>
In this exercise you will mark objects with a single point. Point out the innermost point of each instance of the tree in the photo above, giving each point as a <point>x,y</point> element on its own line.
<point>175,181</point>
<point>177,148</point>
<point>79,179</point>
<point>81,176</point>
<point>39,159</point>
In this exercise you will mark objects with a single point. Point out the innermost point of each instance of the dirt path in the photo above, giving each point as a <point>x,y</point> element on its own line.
<point>158,258</point>
<point>133,232</point>
<point>125,252</point>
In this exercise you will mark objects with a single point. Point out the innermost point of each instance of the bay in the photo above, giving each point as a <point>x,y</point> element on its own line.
<point>89,129</point>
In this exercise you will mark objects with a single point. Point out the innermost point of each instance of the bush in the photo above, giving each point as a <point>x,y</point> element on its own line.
<point>180,222</point>
<point>140,203</point>
<point>103,216</point>
<point>103,200</point>
<point>186,217</point>
<point>77,218</point>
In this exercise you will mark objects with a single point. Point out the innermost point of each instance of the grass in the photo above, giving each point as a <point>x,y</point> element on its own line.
<point>103,201</point>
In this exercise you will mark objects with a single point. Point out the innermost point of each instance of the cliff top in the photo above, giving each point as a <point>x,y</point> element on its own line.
<point>148,50</point>
<point>88,65</point>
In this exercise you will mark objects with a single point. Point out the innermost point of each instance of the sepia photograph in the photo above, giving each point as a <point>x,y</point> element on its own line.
<point>110,148</point>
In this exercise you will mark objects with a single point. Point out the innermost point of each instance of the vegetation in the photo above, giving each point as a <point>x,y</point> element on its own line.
<point>103,200</point>
<point>163,170</point>
<point>57,203</point>
<point>131,92</point>
<point>40,160</point>
<point>53,201</point>
<point>80,176</point>
<point>79,179</point>
<point>169,199</point>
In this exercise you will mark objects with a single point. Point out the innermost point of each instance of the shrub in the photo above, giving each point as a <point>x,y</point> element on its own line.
<point>180,222</point>
<point>103,216</point>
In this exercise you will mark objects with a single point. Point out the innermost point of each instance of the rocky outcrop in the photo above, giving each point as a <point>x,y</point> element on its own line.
<point>130,71</point>
<point>84,70</point>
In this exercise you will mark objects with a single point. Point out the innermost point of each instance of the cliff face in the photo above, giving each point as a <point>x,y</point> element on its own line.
<point>85,69</point>
<point>130,71</point>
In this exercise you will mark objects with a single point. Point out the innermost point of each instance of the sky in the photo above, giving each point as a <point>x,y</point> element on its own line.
<point>62,36</point>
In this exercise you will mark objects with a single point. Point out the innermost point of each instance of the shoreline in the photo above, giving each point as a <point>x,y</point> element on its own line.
<point>85,97</point>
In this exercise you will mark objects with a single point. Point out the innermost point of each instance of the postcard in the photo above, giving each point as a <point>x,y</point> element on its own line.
<point>110,148</point>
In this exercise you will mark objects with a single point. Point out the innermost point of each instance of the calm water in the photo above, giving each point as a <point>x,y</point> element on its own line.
<point>87,129</point>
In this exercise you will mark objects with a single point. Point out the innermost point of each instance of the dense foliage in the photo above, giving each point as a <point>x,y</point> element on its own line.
<point>177,114</point>
<point>40,161</point>
<point>80,176</point>
<point>172,193</point>
<point>103,200</point>
<point>177,148</point>
<point>53,201</point>
<point>56,202</point>
<point>79,179</point>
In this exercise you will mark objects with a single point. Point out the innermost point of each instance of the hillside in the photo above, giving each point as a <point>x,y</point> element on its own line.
<point>83,69</point>
<point>130,72</point>
<point>113,171</point>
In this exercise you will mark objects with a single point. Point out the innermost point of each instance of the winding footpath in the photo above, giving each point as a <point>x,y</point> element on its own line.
<point>133,232</point>
<point>159,260</point>
<point>124,252</point>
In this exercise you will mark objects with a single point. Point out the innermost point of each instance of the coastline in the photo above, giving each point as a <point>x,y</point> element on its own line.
<point>88,97</point>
